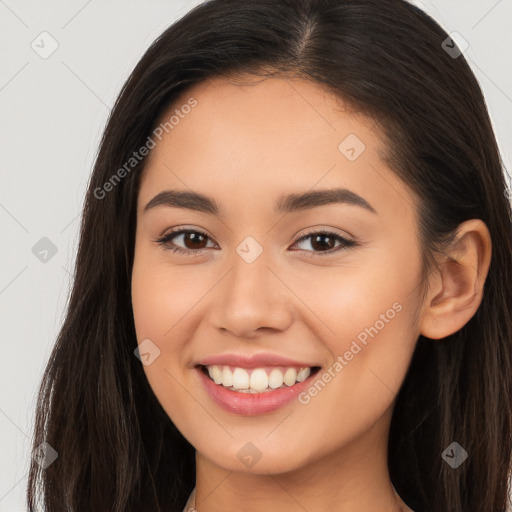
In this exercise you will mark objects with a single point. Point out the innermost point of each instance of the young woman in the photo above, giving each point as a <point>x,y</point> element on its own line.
<point>292,289</point>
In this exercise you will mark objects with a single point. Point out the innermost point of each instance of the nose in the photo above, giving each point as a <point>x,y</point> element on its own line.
<point>251,300</point>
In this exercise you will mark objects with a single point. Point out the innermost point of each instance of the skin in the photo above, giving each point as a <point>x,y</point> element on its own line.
<point>244,146</point>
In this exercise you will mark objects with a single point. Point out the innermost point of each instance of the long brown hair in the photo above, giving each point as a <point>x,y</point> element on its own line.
<point>117,449</point>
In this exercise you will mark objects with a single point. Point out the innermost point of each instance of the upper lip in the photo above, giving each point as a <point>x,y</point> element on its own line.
<point>253,361</point>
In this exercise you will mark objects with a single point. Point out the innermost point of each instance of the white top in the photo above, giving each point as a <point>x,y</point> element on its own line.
<point>189,507</point>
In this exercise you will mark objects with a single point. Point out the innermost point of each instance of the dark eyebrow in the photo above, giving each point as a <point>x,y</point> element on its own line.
<point>184,199</point>
<point>285,204</point>
<point>313,198</point>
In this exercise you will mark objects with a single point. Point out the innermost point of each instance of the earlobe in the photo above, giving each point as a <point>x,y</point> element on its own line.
<point>456,288</point>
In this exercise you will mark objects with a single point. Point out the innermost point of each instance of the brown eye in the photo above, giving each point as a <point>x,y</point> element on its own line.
<point>194,241</point>
<point>324,242</point>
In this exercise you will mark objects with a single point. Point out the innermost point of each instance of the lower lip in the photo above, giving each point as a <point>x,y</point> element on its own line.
<point>252,404</point>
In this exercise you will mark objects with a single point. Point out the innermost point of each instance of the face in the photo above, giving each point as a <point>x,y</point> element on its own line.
<point>326,282</point>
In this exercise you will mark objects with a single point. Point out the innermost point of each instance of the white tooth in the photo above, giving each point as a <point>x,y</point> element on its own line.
<point>240,379</point>
<point>275,379</point>
<point>303,374</point>
<point>215,373</point>
<point>227,377</point>
<point>290,376</point>
<point>259,379</point>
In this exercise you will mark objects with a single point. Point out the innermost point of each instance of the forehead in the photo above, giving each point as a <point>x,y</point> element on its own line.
<point>250,138</point>
<point>286,106</point>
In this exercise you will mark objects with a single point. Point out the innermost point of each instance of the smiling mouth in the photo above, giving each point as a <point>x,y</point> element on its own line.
<point>257,380</point>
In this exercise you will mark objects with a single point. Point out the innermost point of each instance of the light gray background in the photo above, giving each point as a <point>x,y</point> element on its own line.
<point>53,112</point>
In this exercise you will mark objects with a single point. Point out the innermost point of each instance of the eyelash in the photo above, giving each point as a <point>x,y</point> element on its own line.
<point>164,242</point>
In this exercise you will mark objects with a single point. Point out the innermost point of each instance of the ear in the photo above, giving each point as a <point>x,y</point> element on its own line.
<point>456,287</point>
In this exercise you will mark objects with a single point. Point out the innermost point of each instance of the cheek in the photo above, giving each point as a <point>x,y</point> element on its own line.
<point>159,301</point>
<point>162,295</point>
<point>371,357</point>
<point>364,302</point>
<point>167,306</point>
<point>370,315</point>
